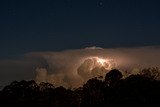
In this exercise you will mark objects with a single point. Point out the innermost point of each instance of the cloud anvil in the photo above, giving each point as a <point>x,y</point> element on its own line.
<point>74,67</point>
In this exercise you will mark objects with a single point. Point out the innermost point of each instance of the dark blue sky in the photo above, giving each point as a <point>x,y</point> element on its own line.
<point>51,25</point>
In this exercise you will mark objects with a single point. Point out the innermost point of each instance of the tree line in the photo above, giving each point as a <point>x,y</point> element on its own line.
<point>141,90</point>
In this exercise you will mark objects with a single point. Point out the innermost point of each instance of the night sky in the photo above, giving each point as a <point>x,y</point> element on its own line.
<point>53,25</point>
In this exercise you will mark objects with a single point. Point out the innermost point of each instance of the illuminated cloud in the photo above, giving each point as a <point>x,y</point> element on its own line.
<point>72,68</point>
<point>93,47</point>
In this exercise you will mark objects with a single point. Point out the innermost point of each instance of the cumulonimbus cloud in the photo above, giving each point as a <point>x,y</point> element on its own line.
<point>72,68</point>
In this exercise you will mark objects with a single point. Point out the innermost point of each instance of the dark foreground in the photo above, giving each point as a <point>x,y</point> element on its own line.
<point>134,91</point>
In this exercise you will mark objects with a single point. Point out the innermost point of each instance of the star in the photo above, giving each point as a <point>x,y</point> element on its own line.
<point>100,4</point>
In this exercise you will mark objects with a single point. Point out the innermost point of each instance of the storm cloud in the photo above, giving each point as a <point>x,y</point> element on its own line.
<point>71,68</point>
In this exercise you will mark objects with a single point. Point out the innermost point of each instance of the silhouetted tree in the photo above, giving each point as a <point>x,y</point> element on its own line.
<point>113,76</point>
<point>92,93</point>
<point>20,92</point>
<point>152,73</point>
<point>136,90</point>
<point>77,97</point>
<point>63,97</point>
